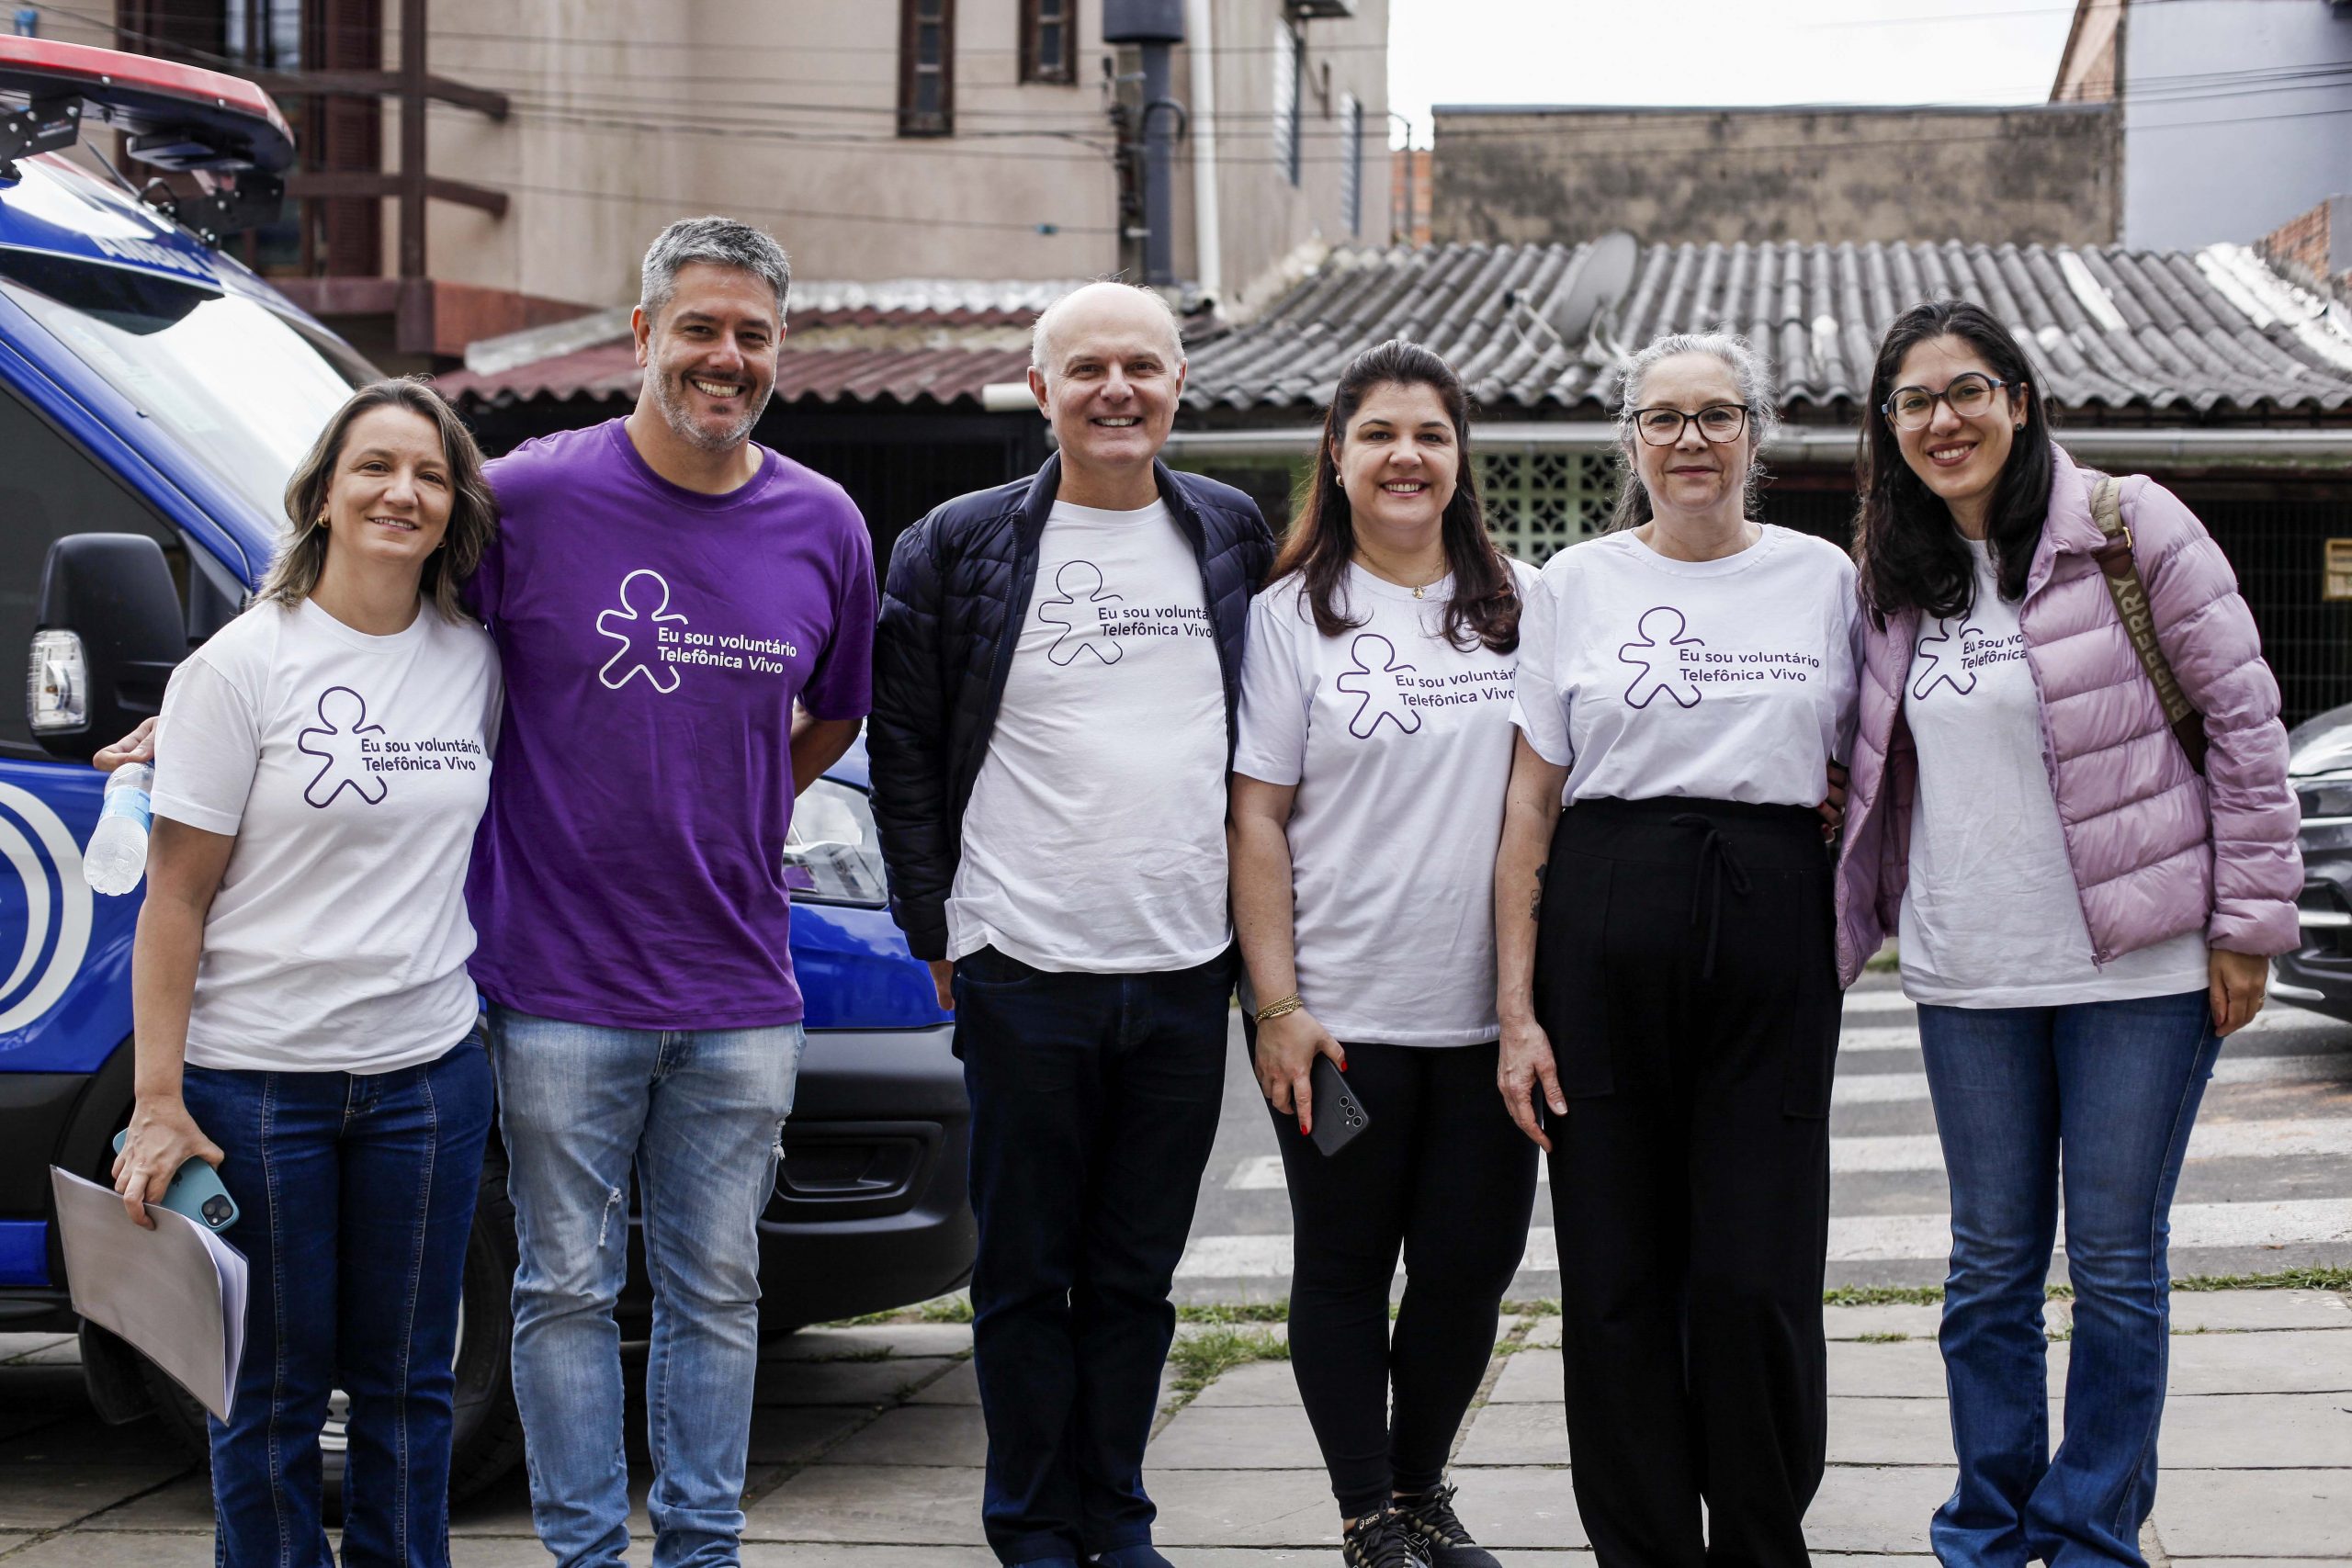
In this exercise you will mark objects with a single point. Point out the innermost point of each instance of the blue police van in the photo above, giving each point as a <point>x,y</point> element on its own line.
<point>154,397</point>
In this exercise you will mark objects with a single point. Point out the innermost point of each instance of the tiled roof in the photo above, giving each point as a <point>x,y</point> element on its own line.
<point>2211,331</point>
<point>911,340</point>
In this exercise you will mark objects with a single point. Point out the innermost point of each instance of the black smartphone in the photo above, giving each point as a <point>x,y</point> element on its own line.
<point>1339,1115</point>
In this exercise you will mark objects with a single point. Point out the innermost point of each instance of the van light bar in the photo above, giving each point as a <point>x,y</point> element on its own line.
<point>180,117</point>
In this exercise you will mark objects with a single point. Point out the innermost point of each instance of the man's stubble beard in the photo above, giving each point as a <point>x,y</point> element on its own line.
<point>668,396</point>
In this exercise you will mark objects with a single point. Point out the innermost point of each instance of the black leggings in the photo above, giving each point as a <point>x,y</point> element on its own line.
<point>1442,1175</point>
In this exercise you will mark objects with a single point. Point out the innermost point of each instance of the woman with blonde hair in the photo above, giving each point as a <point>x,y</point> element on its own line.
<point>304,1019</point>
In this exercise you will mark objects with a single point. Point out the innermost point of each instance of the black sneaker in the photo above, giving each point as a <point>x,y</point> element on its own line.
<point>1379,1540</point>
<point>1436,1533</point>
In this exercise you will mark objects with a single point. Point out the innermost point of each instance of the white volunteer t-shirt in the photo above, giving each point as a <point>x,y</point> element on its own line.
<point>1721,680</point>
<point>1095,839</point>
<point>1991,916</point>
<point>351,770</point>
<point>1400,744</point>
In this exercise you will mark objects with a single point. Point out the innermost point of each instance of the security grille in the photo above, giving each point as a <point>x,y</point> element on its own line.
<point>1540,501</point>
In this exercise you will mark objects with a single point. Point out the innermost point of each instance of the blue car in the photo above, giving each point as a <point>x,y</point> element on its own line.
<point>155,396</point>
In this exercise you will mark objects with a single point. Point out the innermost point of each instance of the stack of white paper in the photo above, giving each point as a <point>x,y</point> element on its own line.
<point>177,1293</point>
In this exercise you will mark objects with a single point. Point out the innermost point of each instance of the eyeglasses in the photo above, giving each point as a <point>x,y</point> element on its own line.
<point>1913,408</point>
<point>1718,423</point>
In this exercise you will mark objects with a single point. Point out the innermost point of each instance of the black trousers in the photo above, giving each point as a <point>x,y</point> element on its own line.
<point>1443,1176</point>
<point>1685,974</point>
<point>1094,1104</point>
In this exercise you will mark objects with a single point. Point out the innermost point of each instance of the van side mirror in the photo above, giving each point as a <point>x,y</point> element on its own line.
<point>109,635</point>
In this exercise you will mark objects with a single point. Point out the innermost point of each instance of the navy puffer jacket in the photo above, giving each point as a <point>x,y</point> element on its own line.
<point>958,586</point>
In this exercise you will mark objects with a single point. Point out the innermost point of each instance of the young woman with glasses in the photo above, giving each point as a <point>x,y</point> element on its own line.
<point>1684,684</point>
<point>2081,915</point>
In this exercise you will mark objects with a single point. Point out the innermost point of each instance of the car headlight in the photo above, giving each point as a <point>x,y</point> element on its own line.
<point>831,855</point>
<point>2326,800</point>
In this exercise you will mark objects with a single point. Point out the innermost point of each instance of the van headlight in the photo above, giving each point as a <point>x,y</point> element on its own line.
<point>831,855</point>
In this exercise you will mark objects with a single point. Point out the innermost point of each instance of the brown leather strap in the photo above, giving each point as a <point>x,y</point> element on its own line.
<point>2121,573</point>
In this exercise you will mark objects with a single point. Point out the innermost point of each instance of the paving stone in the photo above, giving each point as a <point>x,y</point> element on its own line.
<point>1253,1382</point>
<point>2259,1309</point>
<point>1869,1509</point>
<point>1532,1377</point>
<point>1894,1431</point>
<point>1504,1508</point>
<point>83,1438</point>
<point>908,1505</point>
<point>1544,1334</point>
<point>961,1386</point>
<point>185,1504</point>
<point>768,1554</point>
<point>49,1497</point>
<point>2264,1431</point>
<point>124,1549</point>
<point>16,1347</point>
<point>2294,1361</point>
<point>1228,1436</point>
<point>846,1383</point>
<point>1852,1323</point>
<point>1531,1432</point>
<point>797,1434</point>
<point>2286,1513</point>
<point>918,1434</point>
<point>902,1339</point>
<point>1912,1368</point>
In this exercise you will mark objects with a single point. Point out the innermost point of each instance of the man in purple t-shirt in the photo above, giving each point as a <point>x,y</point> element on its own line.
<point>664,592</point>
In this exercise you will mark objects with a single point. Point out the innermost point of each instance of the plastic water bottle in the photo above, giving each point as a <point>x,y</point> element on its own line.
<point>117,857</point>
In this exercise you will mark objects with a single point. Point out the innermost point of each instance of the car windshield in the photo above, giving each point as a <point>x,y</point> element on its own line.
<point>243,390</point>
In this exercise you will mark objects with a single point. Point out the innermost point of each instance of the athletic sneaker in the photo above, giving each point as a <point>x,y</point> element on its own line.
<point>1436,1533</point>
<point>1379,1540</point>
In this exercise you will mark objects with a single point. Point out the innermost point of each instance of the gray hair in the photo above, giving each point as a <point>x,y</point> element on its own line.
<point>721,241</point>
<point>1041,337</point>
<point>1750,372</point>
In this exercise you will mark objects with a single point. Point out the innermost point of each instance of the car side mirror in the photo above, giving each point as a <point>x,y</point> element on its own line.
<point>109,635</point>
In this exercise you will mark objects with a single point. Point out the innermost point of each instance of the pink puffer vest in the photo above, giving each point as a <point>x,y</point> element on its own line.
<point>2155,849</point>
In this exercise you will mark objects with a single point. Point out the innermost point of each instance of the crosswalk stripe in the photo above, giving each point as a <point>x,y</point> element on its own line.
<point>1872,1002</point>
<point>1890,1088</point>
<point>1861,1238</point>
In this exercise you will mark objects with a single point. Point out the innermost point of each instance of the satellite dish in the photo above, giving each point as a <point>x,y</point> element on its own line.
<point>1597,278</point>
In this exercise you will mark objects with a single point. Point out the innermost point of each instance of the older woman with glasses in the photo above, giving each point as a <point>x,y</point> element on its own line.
<point>1684,684</point>
<point>2082,915</point>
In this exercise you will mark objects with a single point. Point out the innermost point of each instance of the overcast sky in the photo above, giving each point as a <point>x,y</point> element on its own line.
<point>1720,51</point>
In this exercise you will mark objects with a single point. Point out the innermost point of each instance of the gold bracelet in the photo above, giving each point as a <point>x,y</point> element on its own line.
<point>1289,1004</point>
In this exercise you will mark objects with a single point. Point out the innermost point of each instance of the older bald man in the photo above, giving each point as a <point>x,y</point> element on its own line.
<point>1057,669</point>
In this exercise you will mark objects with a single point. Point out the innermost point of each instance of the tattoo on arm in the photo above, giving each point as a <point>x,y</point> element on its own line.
<point>1535,900</point>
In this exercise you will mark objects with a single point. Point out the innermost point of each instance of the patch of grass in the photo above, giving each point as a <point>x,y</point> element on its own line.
<point>955,1308</point>
<point>877,1353</point>
<point>1543,1306</point>
<point>1236,1311</point>
<point>2282,1280</point>
<point>1883,1295</point>
<point>1199,1360</point>
<point>1884,1338</point>
<point>1885,961</point>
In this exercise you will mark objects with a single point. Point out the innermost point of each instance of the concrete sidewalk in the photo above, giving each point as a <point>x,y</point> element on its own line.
<point>867,1445</point>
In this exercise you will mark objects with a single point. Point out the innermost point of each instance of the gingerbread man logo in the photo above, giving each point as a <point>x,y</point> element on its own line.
<point>645,607</point>
<point>1377,685</point>
<point>1943,649</point>
<point>1079,582</point>
<point>1657,656</point>
<point>343,719</point>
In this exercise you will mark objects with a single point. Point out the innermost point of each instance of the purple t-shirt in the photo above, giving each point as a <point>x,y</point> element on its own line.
<point>629,869</point>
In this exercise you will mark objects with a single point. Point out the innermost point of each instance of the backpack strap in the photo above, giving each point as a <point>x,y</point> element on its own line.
<point>2121,573</point>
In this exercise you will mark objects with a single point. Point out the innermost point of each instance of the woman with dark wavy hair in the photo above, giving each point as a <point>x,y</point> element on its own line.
<point>2083,909</point>
<point>1367,797</point>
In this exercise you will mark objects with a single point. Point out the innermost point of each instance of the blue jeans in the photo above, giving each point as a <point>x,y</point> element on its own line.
<point>1094,1104</point>
<point>2115,1086</point>
<point>354,1194</point>
<point>698,1115</point>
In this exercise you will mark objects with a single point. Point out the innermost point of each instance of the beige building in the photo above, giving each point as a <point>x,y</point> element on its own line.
<point>877,139</point>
